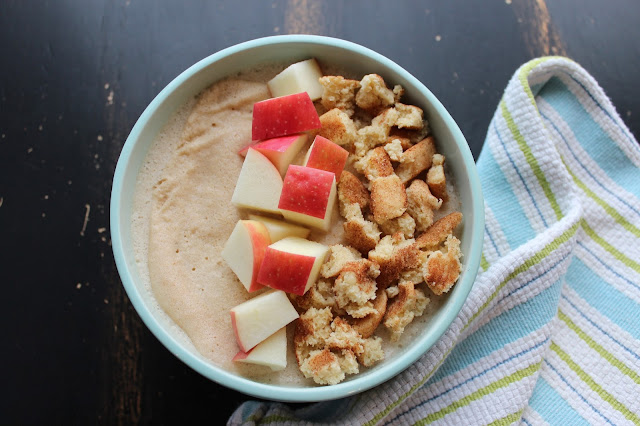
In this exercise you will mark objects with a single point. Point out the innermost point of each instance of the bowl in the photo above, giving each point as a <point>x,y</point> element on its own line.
<point>353,58</point>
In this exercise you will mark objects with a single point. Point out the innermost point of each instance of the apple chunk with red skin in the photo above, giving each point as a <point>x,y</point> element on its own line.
<point>326,155</point>
<point>244,251</point>
<point>283,116</point>
<point>279,229</point>
<point>259,185</point>
<point>280,151</point>
<point>256,319</point>
<point>271,352</point>
<point>308,196</point>
<point>292,264</point>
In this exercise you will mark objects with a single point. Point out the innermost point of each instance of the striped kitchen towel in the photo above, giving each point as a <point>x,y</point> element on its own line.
<point>551,330</point>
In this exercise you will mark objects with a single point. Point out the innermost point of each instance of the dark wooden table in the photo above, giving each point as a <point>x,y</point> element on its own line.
<point>75,76</point>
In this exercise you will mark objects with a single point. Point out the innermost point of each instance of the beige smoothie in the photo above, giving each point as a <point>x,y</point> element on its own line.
<point>183,217</point>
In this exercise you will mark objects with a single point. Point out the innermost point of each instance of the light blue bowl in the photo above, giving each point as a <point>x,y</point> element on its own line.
<point>352,58</point>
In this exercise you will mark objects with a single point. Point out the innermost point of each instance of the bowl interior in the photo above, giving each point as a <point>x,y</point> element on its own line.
<point>354,59</point>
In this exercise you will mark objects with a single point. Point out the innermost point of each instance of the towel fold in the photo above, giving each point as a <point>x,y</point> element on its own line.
<point>550,332</point>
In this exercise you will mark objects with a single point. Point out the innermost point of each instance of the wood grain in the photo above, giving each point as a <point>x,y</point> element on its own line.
<point>305,17</point>
<point>539,34</point>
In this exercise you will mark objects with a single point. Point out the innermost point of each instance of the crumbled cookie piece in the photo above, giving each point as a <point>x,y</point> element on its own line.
<point>409,303</point>
<point>377,133</point>
<point>388,198</point>
<point>323,367</point>
<point>421,204</point>
<point>367,325</point>
<point>405,142</point>
<point>404,224</point>
<point>352,191</point>
<point>398,91</point>
<point>436,179</point>
<point>320,295</point>
<point>439,231</point>
<point>410,117</point>
<point>416,275</point>
<point>374,93</point>
<point>443,269</point>
<point>338,257</point>
<point>392,291</point>
<point>361,234</point>
<point>356,286</point>
<point>372,352</point>
<point>394,254</point>
<point>376,163</point>
<point>394,148</point>
<point>313,328</point>
<point>343,336</point>
<point>416,159</point>
<point>338,128</point>
<point>339,92</point>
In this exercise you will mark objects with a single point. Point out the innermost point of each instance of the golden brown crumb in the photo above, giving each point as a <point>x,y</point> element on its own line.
<point>338,128</point>
<point>439,231</point>
<point>361,234</point>
<point>352,191</point>
<point>356,286</point>
<point>374,93</point>
<point>410,117</point>
<point>367,326</point>
<point>377,133</point>
<point>313,327</point>
<point>436,178</point>
<point>394,256</point>
<point>421,204</point>
<point>375,164</point>
<point>320,295</point>
<point>416,159</point>
<point>443,269</point>
<point>416,275</point>
<point>404,224</point>
<point>323,367</point>
<point>339,92</point>
<point>394,148</point>
<point>398,91</point>
<point>409,303</point>
<point>338,257</point>
<point>388,198</point>
<point>372,352</point>
<point>405,142</point>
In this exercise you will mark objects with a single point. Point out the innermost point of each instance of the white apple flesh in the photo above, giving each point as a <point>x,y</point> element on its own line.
<point>299,77</point>
<point>271,352</point>
<point>258,318</point>
<point>292,264</point>
<point>259,185</point>
<point>244,251</point>
<point>280,151</point>
<point>279,229</point>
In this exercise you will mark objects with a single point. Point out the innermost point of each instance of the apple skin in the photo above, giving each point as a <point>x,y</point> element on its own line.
<point>292,265</point>
<point>284,116</point>
<point>279,229</point>
<point>259,184</point>
<point>308,196</point>
<point>271,352</point>
<point>280,151</point>
<point>256,319</point>
<point>326,155</point>
<point>248,237</point>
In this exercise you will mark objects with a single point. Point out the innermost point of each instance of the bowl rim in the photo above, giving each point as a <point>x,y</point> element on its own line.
<point>278,392</point>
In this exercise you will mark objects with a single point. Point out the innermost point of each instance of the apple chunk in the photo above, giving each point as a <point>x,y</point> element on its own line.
<point>271,352</point>
<point>259,185</point>
<point>299,77</point>
<point>326,155</point>
<point>279,229</point>
<point>244,251</point>
<point>280,151</point>
<point>258,318</point>
<point>308,196</point>
<point>292,264</point>
<point>283,116</point>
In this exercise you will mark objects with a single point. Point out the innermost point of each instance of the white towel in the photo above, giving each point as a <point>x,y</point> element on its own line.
<point>551,330</point>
